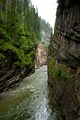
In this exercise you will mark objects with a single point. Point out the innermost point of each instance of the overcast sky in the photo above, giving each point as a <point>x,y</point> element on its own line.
<point>46,9</point>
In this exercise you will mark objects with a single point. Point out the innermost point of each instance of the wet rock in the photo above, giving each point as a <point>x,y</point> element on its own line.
<point>65,48</point>
<point>11,74</point>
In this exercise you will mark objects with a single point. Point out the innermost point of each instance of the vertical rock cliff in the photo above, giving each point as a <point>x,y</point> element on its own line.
<point>41,55</point>
<point>64,59</point>
<point>19,36</point>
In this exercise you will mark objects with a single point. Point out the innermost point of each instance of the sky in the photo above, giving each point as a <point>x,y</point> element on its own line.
<point>47,10</point>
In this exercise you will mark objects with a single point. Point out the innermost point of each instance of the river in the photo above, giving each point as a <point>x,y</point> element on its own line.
<point>29,101</point>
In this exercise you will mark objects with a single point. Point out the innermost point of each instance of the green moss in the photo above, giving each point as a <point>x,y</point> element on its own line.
<point>51,64</point>
<point>58,73</point>
<point>63,76</point>
<point>22,57</point>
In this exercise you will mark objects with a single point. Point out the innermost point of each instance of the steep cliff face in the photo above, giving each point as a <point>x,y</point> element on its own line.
<point>68,38</point>
<point>10,73</point>
<point>41,55</point>
<point>19,36</point>
<point>64,59</point>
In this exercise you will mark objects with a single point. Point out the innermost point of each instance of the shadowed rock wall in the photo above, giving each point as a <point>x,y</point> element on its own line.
<point>64,59</point>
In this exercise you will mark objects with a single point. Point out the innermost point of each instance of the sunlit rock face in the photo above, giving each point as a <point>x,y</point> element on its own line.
<point>64,55</point>
<point>41,55</point>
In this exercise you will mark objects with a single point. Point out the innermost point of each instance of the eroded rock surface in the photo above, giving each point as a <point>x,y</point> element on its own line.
<point>67,40</point>
<point>65,49</point>
<point>11,74</point>
<point>41,55</point>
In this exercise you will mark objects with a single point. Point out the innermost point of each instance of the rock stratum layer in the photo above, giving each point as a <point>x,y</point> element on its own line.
<point>64,59</point>
<point>68,39</point>
<point>11,74</point>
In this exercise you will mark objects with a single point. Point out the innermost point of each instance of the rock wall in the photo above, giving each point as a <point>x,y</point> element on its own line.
<point>64,59</point>
<point>41,55</point>
<point>68,38</point>
<point>10,74</point>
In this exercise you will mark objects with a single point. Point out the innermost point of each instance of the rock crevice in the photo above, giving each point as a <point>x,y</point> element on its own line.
<point>64,59</point>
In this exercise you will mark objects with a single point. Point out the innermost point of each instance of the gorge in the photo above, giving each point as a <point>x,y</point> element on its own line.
<point>51,90</point>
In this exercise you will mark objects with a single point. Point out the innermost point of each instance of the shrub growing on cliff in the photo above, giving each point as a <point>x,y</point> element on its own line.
<point>58,73</point>
<point>51,64</point>
<point>19,31</point>
<point>61,74</point>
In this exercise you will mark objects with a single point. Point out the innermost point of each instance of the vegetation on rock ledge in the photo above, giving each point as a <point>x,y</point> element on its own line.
<point>19,30</point>
<point>19,36</point>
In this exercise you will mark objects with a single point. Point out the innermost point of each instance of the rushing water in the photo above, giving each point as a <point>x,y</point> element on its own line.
<point>30,101</point>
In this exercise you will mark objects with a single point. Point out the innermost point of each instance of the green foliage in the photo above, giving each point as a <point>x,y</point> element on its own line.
<point>58,73</point>
<point>2,57</point>
<point>23,58</point>
<point>61,74</point>
<point>19,31</point>
<point>45,26</point>
<point>51,64</point>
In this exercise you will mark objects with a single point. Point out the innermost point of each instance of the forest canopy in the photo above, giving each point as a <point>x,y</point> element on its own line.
<point>19,30</point>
